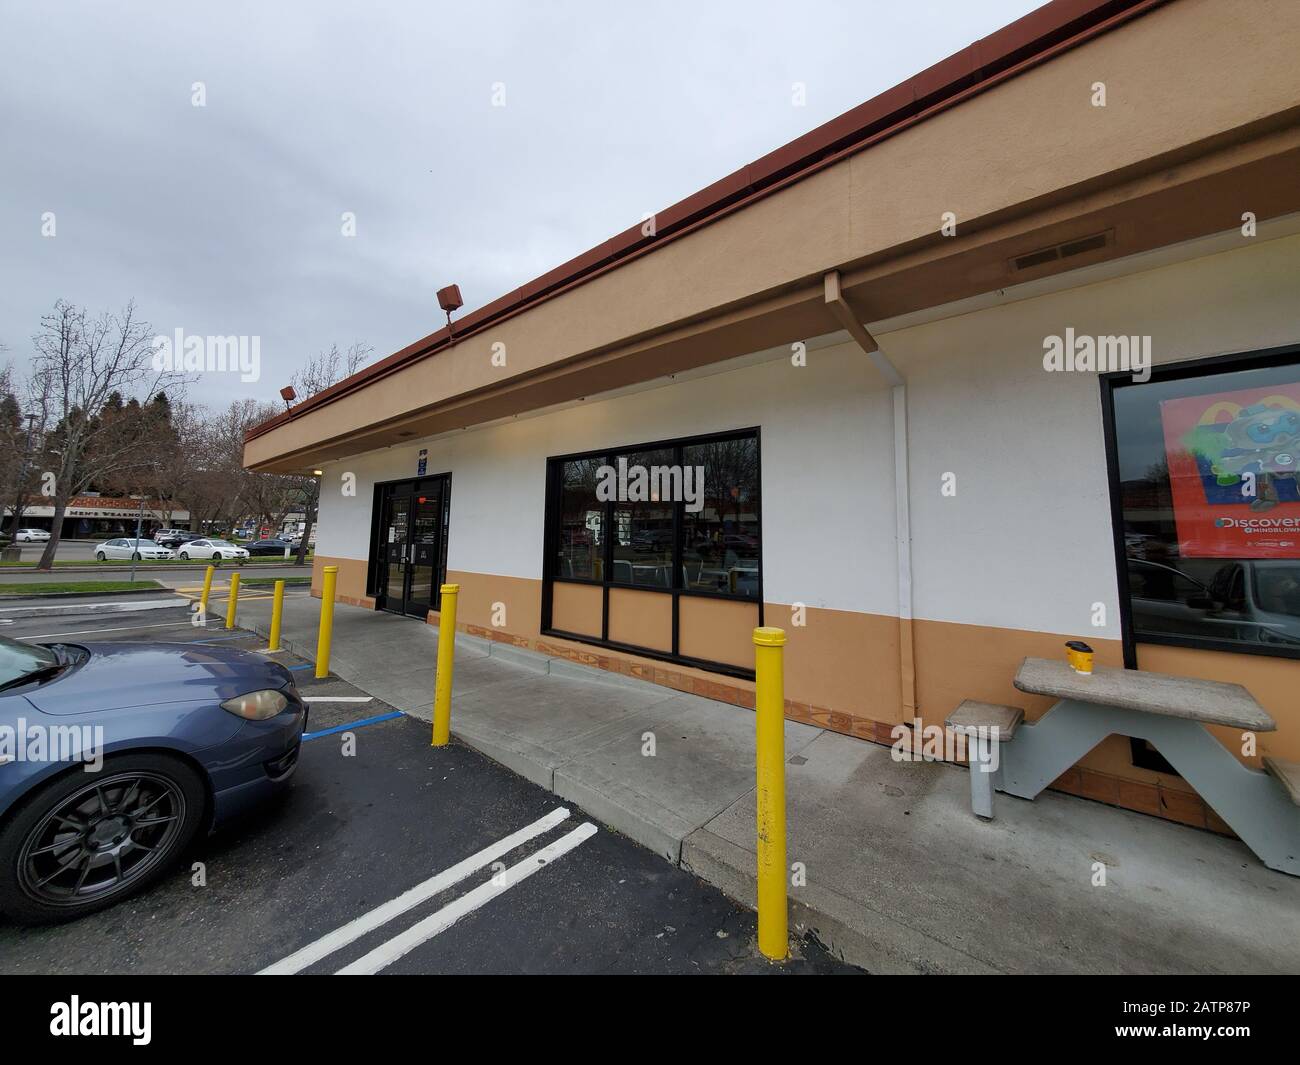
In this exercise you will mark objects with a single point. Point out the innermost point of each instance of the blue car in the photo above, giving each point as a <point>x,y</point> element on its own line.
<point>114,756</point>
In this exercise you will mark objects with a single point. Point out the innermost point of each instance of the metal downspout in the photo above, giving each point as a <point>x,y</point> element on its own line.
<point>846,317</point>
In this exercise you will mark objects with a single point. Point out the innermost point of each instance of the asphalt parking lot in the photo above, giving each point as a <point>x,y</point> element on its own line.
<point>391,856</point>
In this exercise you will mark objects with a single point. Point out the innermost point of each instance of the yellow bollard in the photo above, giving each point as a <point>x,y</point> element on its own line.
<point>326,621</point>
<point>446,651</point>
<point>277,609</point>
<point>769,707</point>
<point>234,599</point>
<point>207,589</point>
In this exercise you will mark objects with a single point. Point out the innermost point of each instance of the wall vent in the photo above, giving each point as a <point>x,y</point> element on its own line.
<point>1064,250</point>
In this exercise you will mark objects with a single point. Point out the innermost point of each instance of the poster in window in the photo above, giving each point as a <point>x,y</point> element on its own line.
<point>1233,464</point>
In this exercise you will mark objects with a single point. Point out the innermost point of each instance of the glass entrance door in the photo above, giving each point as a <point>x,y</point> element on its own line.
<point>410,552</point>
<point>396,532</point>
<point>426,550</point>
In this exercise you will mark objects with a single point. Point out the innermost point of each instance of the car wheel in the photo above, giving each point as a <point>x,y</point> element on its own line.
<point>135,556</point>
<point>101,556</point>
<point>185,555</point>
<point>85,841</point>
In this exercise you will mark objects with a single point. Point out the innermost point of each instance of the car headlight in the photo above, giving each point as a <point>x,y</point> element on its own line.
<point>256,706</point>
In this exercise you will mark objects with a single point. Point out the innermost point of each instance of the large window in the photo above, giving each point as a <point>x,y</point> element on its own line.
<point>680,518</point>
<point>580,535</point>
<point>1204,463</point>
<point>720,540</point>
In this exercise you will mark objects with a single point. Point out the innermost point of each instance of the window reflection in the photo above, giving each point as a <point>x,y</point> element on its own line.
<point>720,543</point>
<point>1211,507</point>
<point>582,518</point>
<point>643,529</point>
<point>711,493</point>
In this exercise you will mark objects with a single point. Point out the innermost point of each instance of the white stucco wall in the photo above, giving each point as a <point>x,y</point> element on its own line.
<point>826,434</point>
<point>1026,542</point>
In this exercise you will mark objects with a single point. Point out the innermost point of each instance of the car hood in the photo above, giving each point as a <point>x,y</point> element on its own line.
<point>122,675</point>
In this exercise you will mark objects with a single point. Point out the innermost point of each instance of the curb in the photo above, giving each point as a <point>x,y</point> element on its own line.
<point>18,597</point>
<point>144,567</point>
<point>74,609</point>
<point>852,932</point>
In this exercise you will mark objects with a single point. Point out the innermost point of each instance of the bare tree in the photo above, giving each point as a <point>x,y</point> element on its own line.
<point>23,410</point>
<point>83,363</point>
<point>319,372</point>
<point>328,368</point>
<point>262,496</point>
<point>175,440</point>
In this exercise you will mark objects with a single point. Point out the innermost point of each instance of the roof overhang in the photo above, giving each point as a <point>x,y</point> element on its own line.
<point>1020,168</point>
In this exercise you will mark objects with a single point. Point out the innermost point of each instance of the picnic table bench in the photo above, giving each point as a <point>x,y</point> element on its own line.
<point>1261,807</point>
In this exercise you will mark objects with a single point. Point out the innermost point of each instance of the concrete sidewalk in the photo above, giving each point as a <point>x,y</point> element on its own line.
<point>900,876</point>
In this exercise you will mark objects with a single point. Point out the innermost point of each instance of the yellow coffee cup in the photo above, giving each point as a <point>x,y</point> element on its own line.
<point>1079,655</point>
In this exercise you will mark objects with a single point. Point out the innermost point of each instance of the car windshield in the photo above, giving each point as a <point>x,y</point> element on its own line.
<point>1277,588</point>
<point>19,659</point>
<point>220,543</point>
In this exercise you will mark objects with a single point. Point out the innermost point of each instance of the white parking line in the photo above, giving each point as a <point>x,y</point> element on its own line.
<point>106,606</point>
<point>387,953</point>
<point>117,628</point>
<point>367,922</point>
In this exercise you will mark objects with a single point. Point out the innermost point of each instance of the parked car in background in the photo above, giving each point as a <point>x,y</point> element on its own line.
<point>1258,600</point>
<point>1248,600</point>
<point>31,536</point>
<point>173,538</point>
<point>191,738</point>
<point>270,546</point>
<point>216,550</point>
<point>131,548</point>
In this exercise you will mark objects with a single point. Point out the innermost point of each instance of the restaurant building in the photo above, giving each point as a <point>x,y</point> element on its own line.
<point>1006,356</point>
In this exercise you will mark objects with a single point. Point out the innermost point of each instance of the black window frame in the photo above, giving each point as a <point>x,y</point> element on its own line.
<point>1283,355</point>
<point>550,552</point>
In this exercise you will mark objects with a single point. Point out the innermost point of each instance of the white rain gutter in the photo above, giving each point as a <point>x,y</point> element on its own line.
<point>846,317</point>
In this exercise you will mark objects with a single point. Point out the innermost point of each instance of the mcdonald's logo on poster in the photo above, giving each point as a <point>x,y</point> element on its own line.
<point>1233,461</point>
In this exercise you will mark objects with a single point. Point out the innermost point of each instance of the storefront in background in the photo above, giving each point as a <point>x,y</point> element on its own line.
<point>101,517</point>
<point>892,466</point>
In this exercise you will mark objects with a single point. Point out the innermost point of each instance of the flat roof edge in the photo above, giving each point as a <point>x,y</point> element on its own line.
<point>1037,36</point>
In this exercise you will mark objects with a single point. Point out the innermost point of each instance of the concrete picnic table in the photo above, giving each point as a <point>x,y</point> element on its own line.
<point>1171,713</point>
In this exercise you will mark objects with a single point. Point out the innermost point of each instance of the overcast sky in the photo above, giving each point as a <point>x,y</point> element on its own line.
<point>226,219</point>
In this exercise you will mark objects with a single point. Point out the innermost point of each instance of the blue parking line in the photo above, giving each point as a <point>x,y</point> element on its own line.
<point>307,666</point>
<point>351,725</point>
